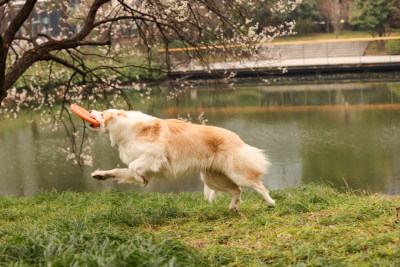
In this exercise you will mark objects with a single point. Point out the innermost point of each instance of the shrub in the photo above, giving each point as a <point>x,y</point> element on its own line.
<point>392,47</point>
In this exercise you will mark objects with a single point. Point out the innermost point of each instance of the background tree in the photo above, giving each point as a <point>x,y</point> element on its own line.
<point>156,24</point>
<point>375,16</point>
<point>307,17</point>
<point>102,45</point>
<point>335,12</point>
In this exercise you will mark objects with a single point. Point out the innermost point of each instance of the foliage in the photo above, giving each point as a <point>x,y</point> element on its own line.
<point>375,16</point>
<point>307,17</point>
<point>392,47</point>
<point>130,28</point>
<point>311,225</point>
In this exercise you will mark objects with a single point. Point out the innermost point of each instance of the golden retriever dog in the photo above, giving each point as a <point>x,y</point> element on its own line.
<point>158,148</point>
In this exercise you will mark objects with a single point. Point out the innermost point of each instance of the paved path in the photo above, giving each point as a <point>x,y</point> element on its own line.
<point>290,63</point>
<point>314,50</point>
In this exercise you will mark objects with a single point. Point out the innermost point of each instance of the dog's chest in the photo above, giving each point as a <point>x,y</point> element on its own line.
<point>127,155</point>
<point>132,151</point>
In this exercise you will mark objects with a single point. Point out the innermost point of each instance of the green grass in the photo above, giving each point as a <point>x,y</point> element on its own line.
<point>312,225</point>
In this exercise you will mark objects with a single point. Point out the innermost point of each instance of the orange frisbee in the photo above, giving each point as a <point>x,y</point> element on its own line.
<point>84,114</point>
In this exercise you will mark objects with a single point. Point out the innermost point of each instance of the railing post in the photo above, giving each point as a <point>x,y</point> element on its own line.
<point>327,53</point>
<point>304,61</point>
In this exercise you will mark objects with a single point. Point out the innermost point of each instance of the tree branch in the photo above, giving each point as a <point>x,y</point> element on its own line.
<point>63,62</point>
<point>89,23</point>
<point>3,2</point>
<point>3,58</point>
<point>17,22</point>
<point>43,51</point>
<point>1,46</point>
<point>107,42</point>
<point>115,19</point>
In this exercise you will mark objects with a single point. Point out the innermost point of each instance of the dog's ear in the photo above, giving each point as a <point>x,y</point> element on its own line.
<point>111,114</point>
<point>108,115</point>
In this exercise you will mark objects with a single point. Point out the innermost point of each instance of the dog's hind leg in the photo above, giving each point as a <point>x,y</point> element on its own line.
<point>236,199</point>
<point>209,194</point>
<point>259,187</point>
<point>251,179</point>
<point>215,182</point>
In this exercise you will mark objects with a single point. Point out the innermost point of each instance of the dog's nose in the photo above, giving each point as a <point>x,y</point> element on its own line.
<point>91,114</point>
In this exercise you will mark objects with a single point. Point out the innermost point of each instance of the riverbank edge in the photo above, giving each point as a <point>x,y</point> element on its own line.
<point>311,225</point>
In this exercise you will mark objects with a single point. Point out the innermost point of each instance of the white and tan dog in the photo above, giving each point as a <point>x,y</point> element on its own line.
<point>156,148</point>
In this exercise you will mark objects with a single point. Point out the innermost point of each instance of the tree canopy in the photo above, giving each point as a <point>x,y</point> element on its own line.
<point>375,16</point>
<point>307,17</point>
<point>99,46</point>
<point>144,26</point>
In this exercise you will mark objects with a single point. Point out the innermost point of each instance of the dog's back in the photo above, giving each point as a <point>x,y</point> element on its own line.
<point>199,147</point>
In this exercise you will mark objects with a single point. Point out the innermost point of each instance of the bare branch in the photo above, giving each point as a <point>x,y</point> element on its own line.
<point>23,38</point>
<point>18,21</point>
<point>107,42</point>
<point>42,35</point>
<point>89,23</point>
<point>3,2</point>
<point>42,51</point>
<point>15,52</point>
<point>64,63</point>
<point>115,19</point>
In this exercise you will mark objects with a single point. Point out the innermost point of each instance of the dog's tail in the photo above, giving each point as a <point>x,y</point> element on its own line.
<point>254,158</point>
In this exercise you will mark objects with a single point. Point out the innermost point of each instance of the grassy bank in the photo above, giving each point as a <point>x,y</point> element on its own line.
<point>311,225</point>
<point>346,34</point>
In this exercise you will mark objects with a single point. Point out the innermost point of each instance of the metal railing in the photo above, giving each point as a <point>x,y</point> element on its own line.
<point>331,50</point>
<point>299,54</point>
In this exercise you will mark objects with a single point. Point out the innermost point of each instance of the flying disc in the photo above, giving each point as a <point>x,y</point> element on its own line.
<point>84,114</point>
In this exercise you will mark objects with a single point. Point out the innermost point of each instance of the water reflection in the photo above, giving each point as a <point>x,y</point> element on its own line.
<point>312,133</point>
<point>297,95</point>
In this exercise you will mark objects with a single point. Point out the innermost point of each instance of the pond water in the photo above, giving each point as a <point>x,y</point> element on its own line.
<point>329,132</point>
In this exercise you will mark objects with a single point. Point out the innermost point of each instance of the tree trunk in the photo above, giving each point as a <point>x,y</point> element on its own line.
<point>18,68</point>
<point>6,41</point>
<point>3,57</point>
<point>3,92</point>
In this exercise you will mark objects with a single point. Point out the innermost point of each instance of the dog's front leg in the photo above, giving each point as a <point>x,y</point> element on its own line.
<point>147,164</point>
<point>122,175</point>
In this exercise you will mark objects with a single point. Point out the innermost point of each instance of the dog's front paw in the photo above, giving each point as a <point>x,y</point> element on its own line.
<point>271,203</point>
<point>100,175</point>
<point>144,182</point>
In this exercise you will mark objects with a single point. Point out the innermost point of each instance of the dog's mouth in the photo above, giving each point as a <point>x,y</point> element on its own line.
<point>93,126</point>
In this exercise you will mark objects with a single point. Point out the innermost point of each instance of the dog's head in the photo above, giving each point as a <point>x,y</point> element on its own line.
<point>106,119</point>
